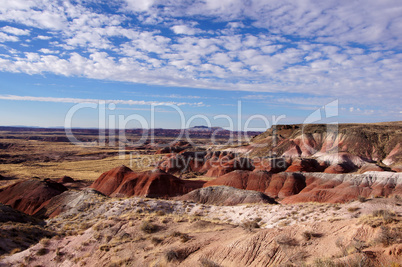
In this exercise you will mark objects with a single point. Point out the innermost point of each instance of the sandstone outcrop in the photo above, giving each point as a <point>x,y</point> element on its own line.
<point>370,142</point>
<point>69,200</point>
<point>225,195</point>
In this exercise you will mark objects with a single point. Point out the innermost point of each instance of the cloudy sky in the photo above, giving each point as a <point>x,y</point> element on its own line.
<point>199,57</point>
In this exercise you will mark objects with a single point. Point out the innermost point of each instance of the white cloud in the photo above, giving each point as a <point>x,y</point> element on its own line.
<point>139,5</point>
<point>184,29</point>
<point>42,37</point>
<point>8,38</point>
<point>48,51</point>
<point>14,31</point>
<point>96,101</point>
<point>306,49</point>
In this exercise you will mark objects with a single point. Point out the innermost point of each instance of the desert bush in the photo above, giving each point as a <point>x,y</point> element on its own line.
<point>354,262</point>
<point>120,263</point>
<point>387,215</point>
<point>205,262</point>
<point>156,241</point>
<point>183,237</point>
<point>307,235</point>
<point>42,251</point>
<point>326,263</point>
<point>104,248</point>
<point>171,255</point>
<point>148,227</point>
<point>361,199</point>
<point>15,250</point>
<point>388,236</point>
<point>284,223</point>
<point>353,209</point>
<point>160,213</point>
<point>285,240</point>
<point>165,220</point>
<point>45,241</point>
<point>250,225</point>
<point>258,219</point>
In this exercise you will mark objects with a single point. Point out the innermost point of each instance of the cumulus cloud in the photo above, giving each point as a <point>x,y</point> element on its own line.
<point>341,49</point>
<point>184,29</point>
<point>14,31</point>
<point>8,38</point>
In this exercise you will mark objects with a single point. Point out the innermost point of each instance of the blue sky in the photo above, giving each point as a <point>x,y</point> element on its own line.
<point>276,58</point>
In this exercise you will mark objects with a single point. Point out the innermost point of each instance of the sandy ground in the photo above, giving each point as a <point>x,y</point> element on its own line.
<point>109,233</point>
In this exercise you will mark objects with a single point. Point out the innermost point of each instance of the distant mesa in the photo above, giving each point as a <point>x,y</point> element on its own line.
<point>200,127</point>
<point>203,128</point>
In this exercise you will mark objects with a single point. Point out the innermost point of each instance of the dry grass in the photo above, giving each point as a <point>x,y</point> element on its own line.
<point>84,169</point>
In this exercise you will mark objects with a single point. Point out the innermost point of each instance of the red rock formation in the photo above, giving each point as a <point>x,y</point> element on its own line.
<point>109,181</point>
<point>273,165</point>
<point>305,165</point>
<point>274,185</point>
<point>338,168</point>
<point>183,163</point>
<point>370,142</point>
<point>397,169</point>
<point>339,188</point>
<point>28,196</point>
<point>285,184</point>
<point>370,167</point>
<point>65,180</point>
<point>227,164</point>
<point>176,147</point>
<point>122,181</point>
<point>318,187</point>
<point>68,200</point>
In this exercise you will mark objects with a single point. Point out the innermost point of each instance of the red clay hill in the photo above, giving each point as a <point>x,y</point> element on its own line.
<point>29,196</point>
<point>314,187</point>
<point>122,181</point>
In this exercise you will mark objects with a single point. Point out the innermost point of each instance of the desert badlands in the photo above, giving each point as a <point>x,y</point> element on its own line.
<point>294,195</point>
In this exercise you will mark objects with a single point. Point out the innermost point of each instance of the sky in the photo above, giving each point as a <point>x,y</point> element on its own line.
<point>175,64</point>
